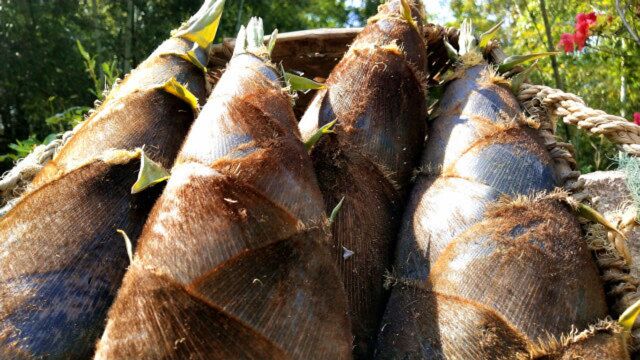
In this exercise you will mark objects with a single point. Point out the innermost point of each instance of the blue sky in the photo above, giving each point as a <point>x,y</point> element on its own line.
<point>438,10</point>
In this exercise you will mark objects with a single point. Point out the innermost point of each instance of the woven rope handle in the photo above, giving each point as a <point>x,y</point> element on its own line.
<point>574,111</point>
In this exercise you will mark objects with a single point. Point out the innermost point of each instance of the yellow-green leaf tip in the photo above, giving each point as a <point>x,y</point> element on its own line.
<point>628,317</point>
<point>201,28</point>
<point>127,243</point>
<point>325,129</point>
<point>151,173</point>
<point>173,87</point>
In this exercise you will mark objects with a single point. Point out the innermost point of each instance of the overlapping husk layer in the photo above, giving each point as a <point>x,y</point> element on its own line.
<point>61,260</point>
<point>376,93</point>
<point>489,259</point>
<point>233,262</point>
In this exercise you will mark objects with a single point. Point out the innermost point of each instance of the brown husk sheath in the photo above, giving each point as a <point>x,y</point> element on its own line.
<point>233,261</point>
<point>61,260</point>
<point>490,259</point>
<point>377,95</point>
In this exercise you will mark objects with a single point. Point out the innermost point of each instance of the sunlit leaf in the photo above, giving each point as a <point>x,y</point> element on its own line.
<point>175,88</point>
<point>326,129</point>
<point>629,316</point>
<point>300,83</point>
<point>151,173</point>
<point>515,60</point>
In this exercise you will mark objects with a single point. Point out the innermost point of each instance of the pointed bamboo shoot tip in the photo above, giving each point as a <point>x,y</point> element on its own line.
<point>250,40</point>
<point>255,34</point>
<point>628,317</point>
<point>335,211</point>
<point>466,39</point>
<point>127,243</point>
<point>313,140</point>
<point>151,173</point>
<point>201,28</point>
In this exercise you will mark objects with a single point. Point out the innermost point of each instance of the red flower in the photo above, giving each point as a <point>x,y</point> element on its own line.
<point>582,27</point>
<point>580,39</point>
<point>589,19</point>
<point>567,41</point>
<point>636,118</point>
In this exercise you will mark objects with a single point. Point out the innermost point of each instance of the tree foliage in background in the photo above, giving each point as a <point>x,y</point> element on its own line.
<point>604,73</point>
<point>59,56</point>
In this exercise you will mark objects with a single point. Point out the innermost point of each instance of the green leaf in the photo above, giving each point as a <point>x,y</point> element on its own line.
<point>68,118</point>
<point>629,316</point>
<point>519,79</point>
<point>336,211</point>
<point>85,55</point>
<point>151,173</point>
<point>313,140</point>
<point>127,243</point>
<point>201,28</point>
<point>300,83</point>
<point>515,60</point>
<point>489,35</point>
<point>6,157</point>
